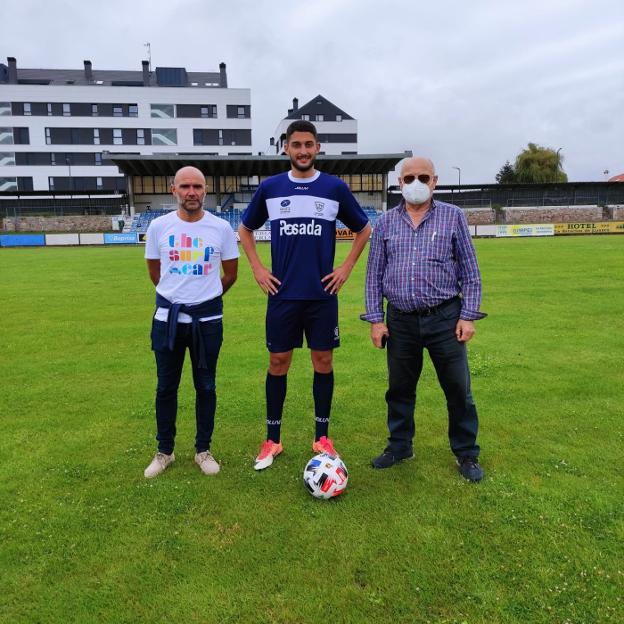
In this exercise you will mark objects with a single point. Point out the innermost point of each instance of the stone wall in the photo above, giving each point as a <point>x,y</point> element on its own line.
<point>77,223</point>
<point>616,212</point>
<point>480,216</point>
<point>555,214</point>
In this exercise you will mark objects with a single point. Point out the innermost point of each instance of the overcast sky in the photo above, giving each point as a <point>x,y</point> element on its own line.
<point>467,83</point>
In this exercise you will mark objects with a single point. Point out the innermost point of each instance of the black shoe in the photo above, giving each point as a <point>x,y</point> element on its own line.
<point>387,459</point>
<point>469,468</point>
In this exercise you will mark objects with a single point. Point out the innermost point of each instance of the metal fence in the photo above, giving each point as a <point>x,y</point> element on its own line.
<point>62,206</point>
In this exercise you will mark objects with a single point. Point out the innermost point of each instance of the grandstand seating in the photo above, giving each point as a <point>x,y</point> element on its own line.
<point>141,220</point>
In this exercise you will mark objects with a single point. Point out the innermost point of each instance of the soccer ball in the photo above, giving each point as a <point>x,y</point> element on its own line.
<point>325,476</point>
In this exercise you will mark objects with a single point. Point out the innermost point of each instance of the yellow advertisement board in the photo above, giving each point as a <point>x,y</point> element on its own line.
<point>532,229</point>
<point>604,227</point>
<point>344,234</point>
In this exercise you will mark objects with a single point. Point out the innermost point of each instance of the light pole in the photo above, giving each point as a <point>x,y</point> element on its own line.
<point>458,175</point>
<point>558,164</point>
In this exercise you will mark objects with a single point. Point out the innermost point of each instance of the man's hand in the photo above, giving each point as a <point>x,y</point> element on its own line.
<point>337,278</point>
<point>266,280</point>
<point>378,331</point>
<point>464,330</point>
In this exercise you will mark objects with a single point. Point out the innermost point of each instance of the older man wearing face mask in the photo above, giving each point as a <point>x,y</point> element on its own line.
<point>422,261</point>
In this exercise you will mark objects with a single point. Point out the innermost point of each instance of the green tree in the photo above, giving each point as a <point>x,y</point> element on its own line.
<point>536,165</point>
<point>506,175</point>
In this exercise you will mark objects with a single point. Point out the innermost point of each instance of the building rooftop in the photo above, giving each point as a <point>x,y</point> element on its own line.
<point>88,76</point>
<point>316,106</point>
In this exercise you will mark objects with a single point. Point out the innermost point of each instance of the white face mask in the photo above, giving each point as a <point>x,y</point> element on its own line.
<point>416,192</point>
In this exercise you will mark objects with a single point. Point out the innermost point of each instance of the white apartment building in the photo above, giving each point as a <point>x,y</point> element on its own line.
<point>56,123</point>
<point>337,130</point>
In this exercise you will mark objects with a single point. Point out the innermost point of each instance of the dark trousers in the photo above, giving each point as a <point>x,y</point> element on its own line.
<point>409,335</point>
<point>169,370</point>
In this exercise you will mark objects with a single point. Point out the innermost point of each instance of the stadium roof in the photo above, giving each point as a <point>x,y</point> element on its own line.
<point>168,164</point>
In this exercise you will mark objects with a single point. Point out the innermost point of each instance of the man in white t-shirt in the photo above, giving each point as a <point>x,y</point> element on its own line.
<point>192,258</point>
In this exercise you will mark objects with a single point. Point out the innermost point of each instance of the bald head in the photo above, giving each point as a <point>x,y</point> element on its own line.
<point>417,163</point>
<point>189,189</point>
<point>188,172</point>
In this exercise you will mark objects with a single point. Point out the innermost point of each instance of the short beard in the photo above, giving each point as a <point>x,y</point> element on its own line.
<point>299,167</point>
<point>182,206</point>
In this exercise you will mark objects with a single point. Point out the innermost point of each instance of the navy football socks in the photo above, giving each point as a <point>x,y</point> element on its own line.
<point>275,395</point>
<point>323,390</point>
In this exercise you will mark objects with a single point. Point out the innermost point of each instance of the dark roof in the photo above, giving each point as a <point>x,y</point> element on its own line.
<point>168,164</point>
<point>77,77</point>
<point>318,106</point>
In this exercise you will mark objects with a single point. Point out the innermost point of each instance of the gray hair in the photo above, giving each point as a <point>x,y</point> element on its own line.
<point>399,168</point>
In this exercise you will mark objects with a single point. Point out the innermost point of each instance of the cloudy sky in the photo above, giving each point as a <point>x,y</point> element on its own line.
<point>468,83</point>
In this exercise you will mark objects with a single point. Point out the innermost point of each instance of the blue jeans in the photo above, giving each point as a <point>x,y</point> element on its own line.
<point>409,335</point>
<point>169,370</point>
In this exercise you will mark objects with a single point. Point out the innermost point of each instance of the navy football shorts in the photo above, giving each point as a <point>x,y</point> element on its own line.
<point>287,320</point>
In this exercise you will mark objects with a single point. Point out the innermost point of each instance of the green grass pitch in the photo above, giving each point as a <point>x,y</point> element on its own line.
<point>85,538</point>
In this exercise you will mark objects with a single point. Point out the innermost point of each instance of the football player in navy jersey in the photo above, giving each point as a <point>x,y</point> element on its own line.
<point>302,206</point>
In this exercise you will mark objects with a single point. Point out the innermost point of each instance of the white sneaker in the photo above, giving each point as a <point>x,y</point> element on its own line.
<point>159,464</point>
<point>207,463</point>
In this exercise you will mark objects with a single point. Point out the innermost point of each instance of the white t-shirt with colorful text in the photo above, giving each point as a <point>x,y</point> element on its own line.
<point>190,257</point>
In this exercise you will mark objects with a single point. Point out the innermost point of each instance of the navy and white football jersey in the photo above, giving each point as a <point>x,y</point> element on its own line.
<point>303,213</point>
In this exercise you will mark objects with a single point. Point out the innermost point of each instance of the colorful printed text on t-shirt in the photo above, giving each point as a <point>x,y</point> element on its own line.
<point>189,256</point>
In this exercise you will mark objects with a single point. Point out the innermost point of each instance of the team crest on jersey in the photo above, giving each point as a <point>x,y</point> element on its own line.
<point>319,208</point>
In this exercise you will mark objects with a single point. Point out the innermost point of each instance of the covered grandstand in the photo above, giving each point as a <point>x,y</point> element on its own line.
<point>232,180</point>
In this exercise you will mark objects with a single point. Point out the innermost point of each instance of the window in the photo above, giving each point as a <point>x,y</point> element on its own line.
<point>51,183</point>
<point>98,158</point>
<point>209,111</point>
<point>160,184</point>
<point>117,139</point>
<point>320,118</point>
<point>7,159</point>
<point>27,108</point>
<point>5,109</point>
<point>163,111</point>
<point>140,136</point>
<point>53,159</point>
<point>96,136</point>
<point>6,136</point>
<point>98,183</point>
<point>220,137</point>
<point>94,110</point>
<point>133,110</point>
<point>49,108</point>
<point>148,184</point>
<point>8,184</point>
<point>117,110</point>
<point>66,110</point>
<point>238,111</point>
<point>164,136</point>
<point>338,117</point>
<point>305,117</point>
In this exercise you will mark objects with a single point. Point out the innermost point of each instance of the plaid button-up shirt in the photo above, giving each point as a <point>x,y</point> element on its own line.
<point>420,267</point>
